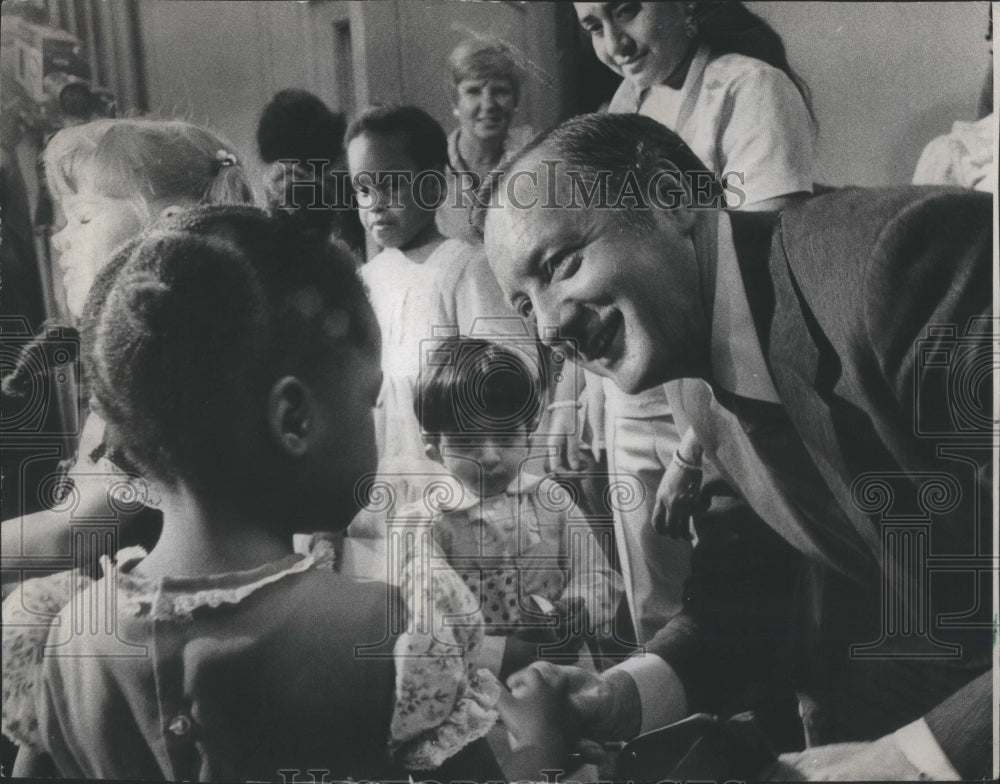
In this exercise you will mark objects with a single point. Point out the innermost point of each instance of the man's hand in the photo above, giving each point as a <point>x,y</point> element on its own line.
<point>606,708</point>
<point>542,725</point>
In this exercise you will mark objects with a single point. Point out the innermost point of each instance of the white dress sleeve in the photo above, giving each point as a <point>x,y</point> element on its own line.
<point>767,135</point>
<point>443,702</point>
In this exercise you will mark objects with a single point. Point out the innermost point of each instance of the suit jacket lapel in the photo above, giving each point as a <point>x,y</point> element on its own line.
<point>803,365</point>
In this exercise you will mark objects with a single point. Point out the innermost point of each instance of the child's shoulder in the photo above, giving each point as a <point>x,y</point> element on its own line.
<point>543,487</point>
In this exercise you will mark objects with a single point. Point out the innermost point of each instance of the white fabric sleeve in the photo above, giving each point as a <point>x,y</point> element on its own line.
<point>921,748</point>
<point>768,137</point>
<point>660,690</point>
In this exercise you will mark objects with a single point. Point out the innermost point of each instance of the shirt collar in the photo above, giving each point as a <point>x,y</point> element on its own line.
<point>176,598</point>
<point>738,364</point>
<point>684,79</point>
<point>455,157</point>
<point>462,500</point>
<point>690,69</point>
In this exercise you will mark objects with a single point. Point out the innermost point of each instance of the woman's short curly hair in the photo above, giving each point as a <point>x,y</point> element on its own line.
<point>483,59</point>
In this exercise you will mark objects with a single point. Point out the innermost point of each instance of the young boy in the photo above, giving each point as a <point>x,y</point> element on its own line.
<point>517,540</point>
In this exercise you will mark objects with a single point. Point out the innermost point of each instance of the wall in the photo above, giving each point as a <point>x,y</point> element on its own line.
<point>886,78</point>
<point>219,62</point>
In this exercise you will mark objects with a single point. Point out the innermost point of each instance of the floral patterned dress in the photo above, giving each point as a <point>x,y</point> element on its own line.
<point>130,703</point>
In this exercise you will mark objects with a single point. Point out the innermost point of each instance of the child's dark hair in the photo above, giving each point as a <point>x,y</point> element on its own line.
<point>423,137</point>
<point>473,387</point>
<point>297,124</point>
<point>187,327</point>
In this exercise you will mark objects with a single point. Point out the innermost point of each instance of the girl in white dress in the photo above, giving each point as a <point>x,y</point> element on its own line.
<point>397,157</point>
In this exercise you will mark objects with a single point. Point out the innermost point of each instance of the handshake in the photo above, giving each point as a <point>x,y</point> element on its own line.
<point>559,717</point>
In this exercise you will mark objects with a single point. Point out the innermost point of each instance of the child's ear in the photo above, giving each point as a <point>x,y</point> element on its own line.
<point>433,452</point>
<point>290,416</point>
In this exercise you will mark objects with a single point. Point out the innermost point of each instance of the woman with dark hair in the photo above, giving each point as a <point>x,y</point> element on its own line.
<point>718,76</point>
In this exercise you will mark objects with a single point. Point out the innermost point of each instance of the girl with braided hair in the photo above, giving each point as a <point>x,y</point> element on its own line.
<point>109,179</point>
<point>238,367</point>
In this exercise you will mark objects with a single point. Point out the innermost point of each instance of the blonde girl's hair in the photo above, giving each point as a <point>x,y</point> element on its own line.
<point>145,161</point>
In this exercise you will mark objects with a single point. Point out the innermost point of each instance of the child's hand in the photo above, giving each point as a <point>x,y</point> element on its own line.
<point>542,725</point>
<point>563,637</point>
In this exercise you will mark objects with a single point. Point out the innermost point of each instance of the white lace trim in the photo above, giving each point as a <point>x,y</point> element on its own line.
<point>148,597</point>
<point>471,718</point>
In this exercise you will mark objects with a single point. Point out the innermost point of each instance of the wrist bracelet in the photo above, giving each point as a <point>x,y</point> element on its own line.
<point>680,462</point>
<point>563,404</point>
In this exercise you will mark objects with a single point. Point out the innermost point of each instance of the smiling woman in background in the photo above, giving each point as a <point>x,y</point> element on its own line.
<point>718,76</point>
<point>485,90</point>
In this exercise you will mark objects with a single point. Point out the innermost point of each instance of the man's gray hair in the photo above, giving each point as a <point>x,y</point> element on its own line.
<point>617,147</point>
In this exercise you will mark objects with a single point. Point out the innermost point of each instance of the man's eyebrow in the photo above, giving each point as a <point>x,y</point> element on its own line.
<point>605,8</point>
<point>531,262</point>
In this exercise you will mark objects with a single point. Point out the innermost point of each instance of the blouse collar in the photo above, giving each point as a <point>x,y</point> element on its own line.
<point>176,598</point>
<point>463,499</point>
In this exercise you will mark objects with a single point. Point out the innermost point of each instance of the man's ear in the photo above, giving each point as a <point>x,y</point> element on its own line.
<point>670,192</point>
<point>290,416</point>
<point>433,451</point>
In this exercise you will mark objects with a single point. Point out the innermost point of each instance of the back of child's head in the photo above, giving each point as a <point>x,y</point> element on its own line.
<point>190,324</point>
<point>296,124</point>
<point>472,387</point>
<point>424,140</point>
<point>146,161</point>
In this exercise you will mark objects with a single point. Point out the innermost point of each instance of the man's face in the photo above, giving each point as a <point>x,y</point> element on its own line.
<point>625,297</point>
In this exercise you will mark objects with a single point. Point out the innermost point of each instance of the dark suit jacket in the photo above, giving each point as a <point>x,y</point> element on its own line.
<point>872,308</point>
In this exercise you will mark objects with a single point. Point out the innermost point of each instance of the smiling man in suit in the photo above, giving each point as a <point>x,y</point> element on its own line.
<point>816,353</point>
